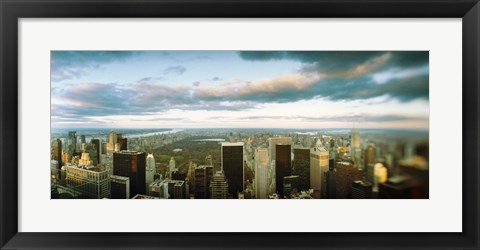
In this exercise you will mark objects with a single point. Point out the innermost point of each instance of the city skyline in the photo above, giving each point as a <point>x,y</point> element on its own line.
<point>233,89</point>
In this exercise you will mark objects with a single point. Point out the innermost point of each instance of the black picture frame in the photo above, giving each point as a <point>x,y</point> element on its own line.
<point>11,11</point>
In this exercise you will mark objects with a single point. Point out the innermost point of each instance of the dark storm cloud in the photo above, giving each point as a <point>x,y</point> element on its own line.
<point>176,70</point>
<point>344,76</point>
<point>404,89</point>
<point>334,89</point>
<point>73,64</point>
<point>344,61</point>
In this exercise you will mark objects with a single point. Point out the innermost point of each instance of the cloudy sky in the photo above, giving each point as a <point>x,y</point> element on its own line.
<point>262,89</point>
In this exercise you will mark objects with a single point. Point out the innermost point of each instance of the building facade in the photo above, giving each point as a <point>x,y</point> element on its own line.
<point>92,182</point>
<point>131,164</point>
<point>150,169</point>
<point>283,165</point>
<point>233,166</point>
<point>120,187</point>
<point>301,167</point>
<point>318,165</point>
<point>261,173</point>
<point>219,186</point>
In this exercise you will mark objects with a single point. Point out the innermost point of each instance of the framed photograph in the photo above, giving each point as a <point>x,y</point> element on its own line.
<point>239,124</point>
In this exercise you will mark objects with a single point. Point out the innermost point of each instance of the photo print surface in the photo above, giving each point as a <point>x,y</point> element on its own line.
<point>239,125</point>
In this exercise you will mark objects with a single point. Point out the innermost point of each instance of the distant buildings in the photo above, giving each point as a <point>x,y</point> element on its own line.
<point>370,155</point>
<point>131,164</point>
<point>232,166</point>
<point>356,149</point>
<point>380,173</point>
<point>261,167</point>
<point>98,148</point>
<point>72,142</point>
<point>92,152</point>
<point>122,142</point>
<point>111,141</point>
<point>171,166</point>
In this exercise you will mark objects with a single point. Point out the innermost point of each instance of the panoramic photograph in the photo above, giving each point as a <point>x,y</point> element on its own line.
<point>212,124</point>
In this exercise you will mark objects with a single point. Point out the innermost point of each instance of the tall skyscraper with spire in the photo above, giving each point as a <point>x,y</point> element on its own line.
<point>150,170</point>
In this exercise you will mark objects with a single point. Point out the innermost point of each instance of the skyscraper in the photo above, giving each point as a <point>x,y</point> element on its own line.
<point>91,182</point>
<point>380,175</point>
<point>301,167</point>
<point>72,142</point>
<point>168,189</point>
<point>131,164</point>
<point>361,190</point>
<point>232,166</point>
<point>274,141</point>
<point>401,187</point>
<point>291,184</point>
<point>120,187</point>
<point>346,174</point>
<point>98,148</point>
<point>261,173</point>
<point>171,165</point>
<point>92,151</point>
<point>329,189</point>
<point>56,154</point>
<point>318,166</point>
<point>203,177</point>
<point>219,186</point>
<point>150,169</point>
<point>356,148</point>
<point>112,140</point>
<point>370,155</point>
<point>283,165</point>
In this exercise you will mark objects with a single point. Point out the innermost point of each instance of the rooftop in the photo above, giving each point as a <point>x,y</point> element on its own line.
<point>129,152</point>
<point>232,144</point>
<point>98,168</point>
<point>143,197</point>
<point>118,177</point>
